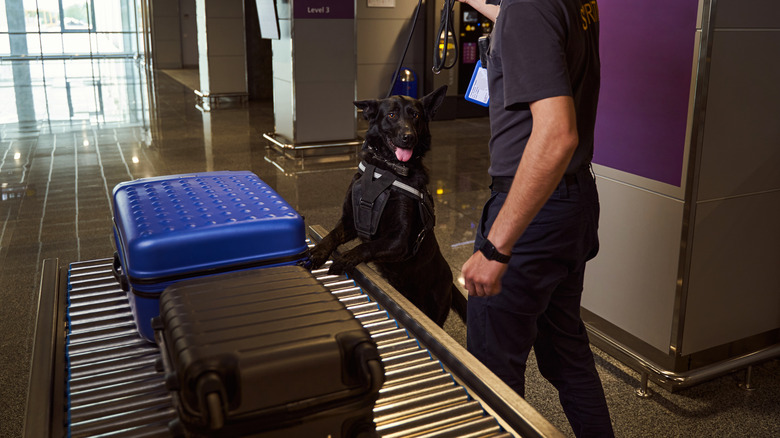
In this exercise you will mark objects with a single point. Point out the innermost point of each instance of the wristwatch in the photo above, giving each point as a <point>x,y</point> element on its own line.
<point>491,253</point>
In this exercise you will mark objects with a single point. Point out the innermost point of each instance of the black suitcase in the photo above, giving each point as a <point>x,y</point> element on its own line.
<point>267,352</point>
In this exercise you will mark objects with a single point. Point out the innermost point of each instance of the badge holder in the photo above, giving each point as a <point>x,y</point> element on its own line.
<point>477,90</point>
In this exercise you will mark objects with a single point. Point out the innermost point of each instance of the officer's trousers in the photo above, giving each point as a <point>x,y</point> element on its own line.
<point>539,303</point>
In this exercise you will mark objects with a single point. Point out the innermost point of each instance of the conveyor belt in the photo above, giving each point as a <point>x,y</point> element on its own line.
<point>115,390</point>
<point>86,345</point>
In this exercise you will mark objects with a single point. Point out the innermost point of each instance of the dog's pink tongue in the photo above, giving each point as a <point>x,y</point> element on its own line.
<point>403,154</point>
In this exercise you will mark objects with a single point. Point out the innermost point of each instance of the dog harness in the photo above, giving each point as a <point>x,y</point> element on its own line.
<point>369,198</point>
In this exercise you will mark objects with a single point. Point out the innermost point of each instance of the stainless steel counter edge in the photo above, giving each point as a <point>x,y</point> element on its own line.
<point>39,410</point>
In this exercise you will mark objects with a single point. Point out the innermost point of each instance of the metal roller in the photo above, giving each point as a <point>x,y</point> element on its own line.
<point>355,300</point>
<point>123,422</point>
<point>389,335</point>
<point>347,292</point>
<point>399,359</point>
<point>482,427</point>
<point>414,371</point>
<point>431,420</point>
<point>107,366</point>
<point>370,315</point>
<point>97,319</point>
<point>92,285</point>
<point>379,326</point>
<point>116,407</point>
<point>97,300</point>
<point>92,309</point>
<point>111,353</point>
<point>114,342</point>
<point>387,412</point>
<point>133,373</point>
<point>399,346</point>
<point>117,391</point>
<point>98,334</point>
<point>399,391</point>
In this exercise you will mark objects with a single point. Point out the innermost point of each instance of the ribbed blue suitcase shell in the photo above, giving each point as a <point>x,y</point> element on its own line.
<point>182,226</point>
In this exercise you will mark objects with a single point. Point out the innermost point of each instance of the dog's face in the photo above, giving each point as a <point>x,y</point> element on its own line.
<point>398,125</point>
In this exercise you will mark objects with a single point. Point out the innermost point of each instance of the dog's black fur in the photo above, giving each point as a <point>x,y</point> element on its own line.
<point>396,141</point>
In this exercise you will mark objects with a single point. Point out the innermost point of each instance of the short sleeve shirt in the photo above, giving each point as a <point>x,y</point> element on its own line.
<point>541,49</point>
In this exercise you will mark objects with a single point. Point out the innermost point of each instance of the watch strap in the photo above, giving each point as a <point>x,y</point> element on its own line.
<point>491,253</point>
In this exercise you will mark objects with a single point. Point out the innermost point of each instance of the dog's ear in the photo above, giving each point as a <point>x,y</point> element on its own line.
<point>431,102</point>
<point>369,107</point>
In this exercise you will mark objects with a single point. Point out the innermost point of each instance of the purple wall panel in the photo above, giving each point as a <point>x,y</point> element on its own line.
<point>646,60</point>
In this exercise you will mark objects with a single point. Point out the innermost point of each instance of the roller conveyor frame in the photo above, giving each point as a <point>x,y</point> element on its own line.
<point>432,381</point>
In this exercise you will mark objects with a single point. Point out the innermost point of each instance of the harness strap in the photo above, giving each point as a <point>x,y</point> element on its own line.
<point>369,197</point>
<point>418,194</point>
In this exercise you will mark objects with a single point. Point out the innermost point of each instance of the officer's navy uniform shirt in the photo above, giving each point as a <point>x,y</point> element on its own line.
<point>520,71</point>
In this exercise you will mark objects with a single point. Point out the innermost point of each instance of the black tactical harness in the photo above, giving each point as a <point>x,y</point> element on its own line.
<point>369,198</point>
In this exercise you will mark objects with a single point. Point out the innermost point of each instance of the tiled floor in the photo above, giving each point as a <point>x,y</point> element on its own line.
<point>56,180</point>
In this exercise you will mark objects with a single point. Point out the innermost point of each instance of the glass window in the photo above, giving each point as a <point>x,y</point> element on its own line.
<point>51,43</point>
<point>109,16</point>
<point>7,94</point>
<point>78,68</point>
<point>5,45</point>
<point>33,44</point>
<point>83,98</point>
<point>70,48</point>
<point>56,90</point>
<point>36,71</point>
<point>77,15</point>
<point>93,45</point>
<point>3,20</point>
<point>109,42</point>
<point>43,13</point>
<point>76,43</point>
<point>54,72</point>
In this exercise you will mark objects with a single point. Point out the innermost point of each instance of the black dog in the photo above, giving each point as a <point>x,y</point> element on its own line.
<point>389,208</point>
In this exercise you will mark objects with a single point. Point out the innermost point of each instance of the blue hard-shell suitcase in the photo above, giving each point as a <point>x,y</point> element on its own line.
<point>177,227</point>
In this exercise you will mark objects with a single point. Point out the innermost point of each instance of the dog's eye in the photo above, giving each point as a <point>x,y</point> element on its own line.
<point>391,115</point>
<point>415,115</point>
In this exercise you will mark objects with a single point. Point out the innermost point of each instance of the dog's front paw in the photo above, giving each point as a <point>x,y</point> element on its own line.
<point>341,265</point>
<point>318,256</point>
<point>337,268</point>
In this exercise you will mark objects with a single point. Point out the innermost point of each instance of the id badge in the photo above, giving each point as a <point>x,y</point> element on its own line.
<point>477,90</point>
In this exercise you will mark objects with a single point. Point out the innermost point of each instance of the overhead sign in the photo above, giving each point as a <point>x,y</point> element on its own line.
<point>323,9</point>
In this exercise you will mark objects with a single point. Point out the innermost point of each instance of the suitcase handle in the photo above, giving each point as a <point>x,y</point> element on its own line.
<point>377,372</point>
<point>211,394</point>
<point>373,369</point>
<point>214,405</point>
<point>119,275</point>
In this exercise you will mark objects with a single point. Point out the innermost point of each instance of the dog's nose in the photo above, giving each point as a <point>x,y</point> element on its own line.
<point>407,138</point>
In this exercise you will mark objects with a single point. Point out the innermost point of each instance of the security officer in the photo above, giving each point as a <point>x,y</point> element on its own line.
<point>539,227</point>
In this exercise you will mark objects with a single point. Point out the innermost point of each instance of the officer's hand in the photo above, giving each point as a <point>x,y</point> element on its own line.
<point>482,277</point>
